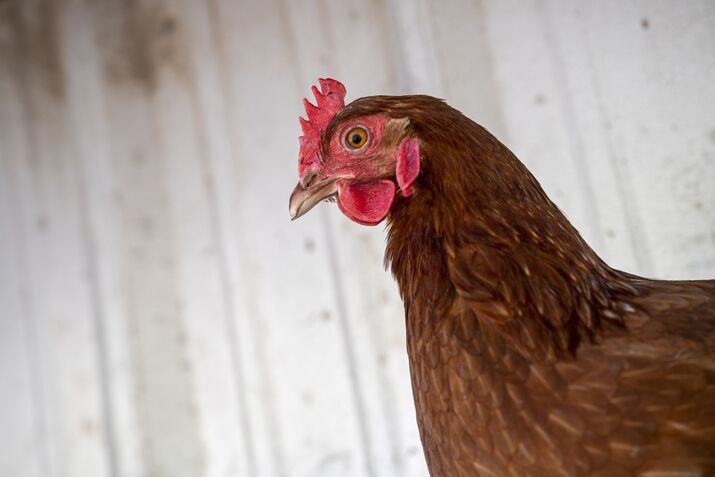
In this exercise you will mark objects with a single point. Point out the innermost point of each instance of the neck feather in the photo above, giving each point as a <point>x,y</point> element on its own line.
<point>480,228</point>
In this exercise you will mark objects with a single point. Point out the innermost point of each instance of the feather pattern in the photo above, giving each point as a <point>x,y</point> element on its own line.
<point>529,355</point>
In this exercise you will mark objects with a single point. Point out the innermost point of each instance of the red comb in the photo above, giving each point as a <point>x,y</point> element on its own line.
<point>330,99</point>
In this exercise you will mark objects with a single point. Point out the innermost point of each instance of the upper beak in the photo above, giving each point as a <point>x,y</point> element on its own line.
<point>304,198</point>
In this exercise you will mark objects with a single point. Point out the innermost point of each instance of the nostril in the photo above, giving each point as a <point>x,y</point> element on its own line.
<point>308,179</point>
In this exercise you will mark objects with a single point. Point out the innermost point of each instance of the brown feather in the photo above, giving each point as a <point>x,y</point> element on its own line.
<point>529,355</point>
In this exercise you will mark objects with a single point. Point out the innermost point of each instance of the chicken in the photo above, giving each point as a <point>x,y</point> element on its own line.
<point>529,355</point>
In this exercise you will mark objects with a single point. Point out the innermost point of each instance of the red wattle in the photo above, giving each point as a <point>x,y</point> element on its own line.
<point>367,203</point>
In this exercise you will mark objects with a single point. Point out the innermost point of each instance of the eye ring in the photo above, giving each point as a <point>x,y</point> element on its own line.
<point>356,138</point>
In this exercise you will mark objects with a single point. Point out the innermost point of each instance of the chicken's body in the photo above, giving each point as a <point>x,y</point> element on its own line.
<point>529,355</point>
<point>639,400</point>
<point>637,403</point>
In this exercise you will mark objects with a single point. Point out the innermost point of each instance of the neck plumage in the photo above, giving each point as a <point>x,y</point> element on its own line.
<point>479,227</point>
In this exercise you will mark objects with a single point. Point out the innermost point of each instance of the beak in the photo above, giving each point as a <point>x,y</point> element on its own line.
<point>304,198</point>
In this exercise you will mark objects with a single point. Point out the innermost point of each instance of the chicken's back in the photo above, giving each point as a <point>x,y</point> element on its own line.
<point>663,370</point>
<point>639,400</point>
<point>678,309</point>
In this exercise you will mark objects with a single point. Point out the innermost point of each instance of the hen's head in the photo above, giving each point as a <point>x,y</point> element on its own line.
<point>363,154</point>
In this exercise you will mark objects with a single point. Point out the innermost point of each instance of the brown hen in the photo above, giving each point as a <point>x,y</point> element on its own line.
<point>529,355</point>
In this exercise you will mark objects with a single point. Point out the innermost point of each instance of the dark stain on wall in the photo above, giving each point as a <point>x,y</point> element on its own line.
<point>30,42</point>
<point>136,39</point>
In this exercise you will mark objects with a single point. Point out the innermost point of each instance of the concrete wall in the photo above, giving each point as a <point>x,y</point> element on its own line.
<point>159,313</point>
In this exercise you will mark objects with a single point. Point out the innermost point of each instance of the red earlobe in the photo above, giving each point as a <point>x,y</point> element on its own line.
<point>408,165</point>
<point>367,203</point>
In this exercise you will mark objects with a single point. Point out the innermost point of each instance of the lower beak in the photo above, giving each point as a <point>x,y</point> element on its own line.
<point>304,198</point>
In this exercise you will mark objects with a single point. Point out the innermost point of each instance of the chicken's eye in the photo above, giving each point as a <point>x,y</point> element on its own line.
<point>356,138</point>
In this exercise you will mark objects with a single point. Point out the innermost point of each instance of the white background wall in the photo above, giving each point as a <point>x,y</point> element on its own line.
<point>159,313</point>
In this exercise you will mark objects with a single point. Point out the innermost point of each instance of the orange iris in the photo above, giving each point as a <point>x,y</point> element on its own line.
<point>356,138</point>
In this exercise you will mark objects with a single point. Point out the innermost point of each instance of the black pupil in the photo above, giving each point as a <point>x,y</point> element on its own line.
<point>356,139</point>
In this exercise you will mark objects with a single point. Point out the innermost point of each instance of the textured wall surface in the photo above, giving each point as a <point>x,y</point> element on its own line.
<point>159,313</point>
